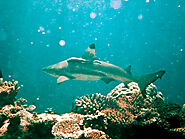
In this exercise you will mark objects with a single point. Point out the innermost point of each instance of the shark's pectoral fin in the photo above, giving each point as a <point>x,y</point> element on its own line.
<point>62,79</point>
<point>90,53</point>
<point>107,80</point>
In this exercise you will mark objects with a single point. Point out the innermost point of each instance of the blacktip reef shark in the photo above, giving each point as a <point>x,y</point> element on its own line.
<point>89,67</point>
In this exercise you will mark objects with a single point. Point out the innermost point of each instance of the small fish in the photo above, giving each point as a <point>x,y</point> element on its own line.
<point>89,67</point>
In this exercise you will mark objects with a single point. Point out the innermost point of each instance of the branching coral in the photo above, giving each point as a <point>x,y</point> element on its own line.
<point>123,106</point>
<point>8,91</point>
<point>152,94</point>
<point>130,97</point>
<point>96,117</point>
<point>90,104</point>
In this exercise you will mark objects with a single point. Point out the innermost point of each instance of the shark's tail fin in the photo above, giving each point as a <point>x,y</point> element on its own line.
<point>144,81</point>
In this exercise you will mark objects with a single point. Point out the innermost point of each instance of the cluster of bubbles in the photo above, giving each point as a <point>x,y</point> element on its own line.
<point>116,4</point>
<point>49,110</point>
<point>98,5</point>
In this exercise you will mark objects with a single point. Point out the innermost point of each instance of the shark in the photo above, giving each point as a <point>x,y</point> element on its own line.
<point>90,68</point>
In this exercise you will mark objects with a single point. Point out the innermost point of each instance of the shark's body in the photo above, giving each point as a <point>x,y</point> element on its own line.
<point>90,68</point>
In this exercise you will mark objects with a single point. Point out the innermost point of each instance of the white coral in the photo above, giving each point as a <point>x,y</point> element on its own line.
<point>121,89</point>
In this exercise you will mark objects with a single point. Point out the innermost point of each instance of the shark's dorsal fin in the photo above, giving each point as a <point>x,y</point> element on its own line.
<point>128,69</point>
<point>62,79</point>
<point>90,53</point>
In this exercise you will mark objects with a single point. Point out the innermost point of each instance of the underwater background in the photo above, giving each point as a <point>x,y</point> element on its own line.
<point>149,35</point>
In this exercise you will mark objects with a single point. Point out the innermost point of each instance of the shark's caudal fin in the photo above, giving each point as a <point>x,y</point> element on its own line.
<point>90,53</point>
<point>144,81</point>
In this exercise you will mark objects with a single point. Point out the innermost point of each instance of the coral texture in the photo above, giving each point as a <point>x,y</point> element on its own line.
<point>68,126</point>
<point>8,91</point>
<point>90,104</point>
<point>124,113</point>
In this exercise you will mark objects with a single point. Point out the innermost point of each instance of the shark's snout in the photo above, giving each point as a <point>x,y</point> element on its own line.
<point>47,69</point>
<point>50,70</point>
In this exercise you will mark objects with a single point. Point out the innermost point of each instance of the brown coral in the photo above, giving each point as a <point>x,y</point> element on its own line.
<point>90,104</point>
<point>118,117</point>
<point>125,106</point>
<point>68,126</point>
<point>95,134</point>
<point>8,91</point>
<point>76,126</point>
<point>132,106</point>
<point>179,130</point>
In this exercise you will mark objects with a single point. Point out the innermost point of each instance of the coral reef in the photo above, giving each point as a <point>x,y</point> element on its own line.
<point>68,126</point>
<point>125,112</point>
<point>8,91</point>
<point>90,104</point>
